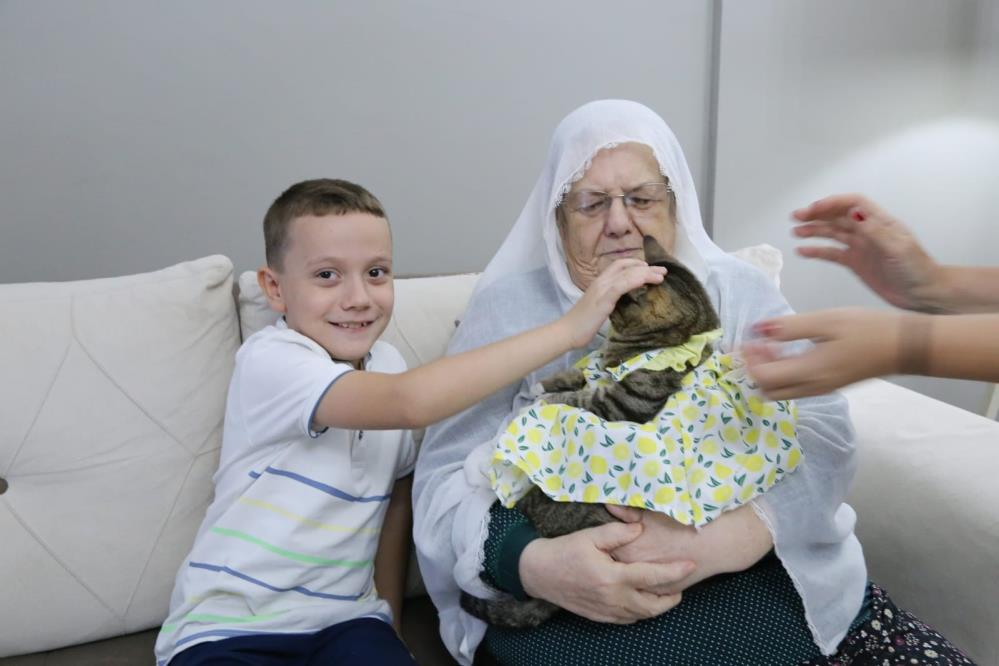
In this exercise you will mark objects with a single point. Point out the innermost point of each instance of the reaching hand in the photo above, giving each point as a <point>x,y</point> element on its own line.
<point>850,345</point>
<point>589,314</point>
<point>575,572</point>
<point>878,248</point>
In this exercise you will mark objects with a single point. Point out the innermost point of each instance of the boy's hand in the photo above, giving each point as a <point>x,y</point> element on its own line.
<point>588,315</point>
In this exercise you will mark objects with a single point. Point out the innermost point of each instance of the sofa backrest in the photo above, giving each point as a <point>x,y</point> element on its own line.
<point>112,415</point>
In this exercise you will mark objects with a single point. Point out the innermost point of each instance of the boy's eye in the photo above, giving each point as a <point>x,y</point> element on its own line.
<point>377,272</point>
<point>325,275</point>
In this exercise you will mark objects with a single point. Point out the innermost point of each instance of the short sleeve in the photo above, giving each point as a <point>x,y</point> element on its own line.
<point>407,457</point>
<point>281,380</point>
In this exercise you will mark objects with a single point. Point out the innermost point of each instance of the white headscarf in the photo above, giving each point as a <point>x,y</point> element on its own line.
<point>535,241</point>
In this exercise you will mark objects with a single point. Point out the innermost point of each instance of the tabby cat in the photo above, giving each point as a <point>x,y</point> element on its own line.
<point>650,317</point>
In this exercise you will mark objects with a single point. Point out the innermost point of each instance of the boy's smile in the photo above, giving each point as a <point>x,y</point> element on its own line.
<point>335,285</point>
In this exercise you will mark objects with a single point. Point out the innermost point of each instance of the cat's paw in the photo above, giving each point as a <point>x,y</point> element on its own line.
<point>569,398</point>
<point>570,380</point>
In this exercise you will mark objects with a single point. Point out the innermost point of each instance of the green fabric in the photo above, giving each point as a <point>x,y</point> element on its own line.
<point>508,569</point>
<point>753,617</point>
<point>504,524</point>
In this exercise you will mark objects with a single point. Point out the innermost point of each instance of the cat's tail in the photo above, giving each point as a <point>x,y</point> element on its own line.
<point>508,612</point>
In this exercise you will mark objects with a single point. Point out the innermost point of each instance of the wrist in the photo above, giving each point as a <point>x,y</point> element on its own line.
<point>528,565</point>
<point>566,333</point>
<point>936,294</point>
<point>914,335</point>
<point>509,572</point>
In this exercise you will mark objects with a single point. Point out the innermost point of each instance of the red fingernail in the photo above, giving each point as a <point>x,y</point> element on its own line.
<point>858,216</point>
<point>765,328</point>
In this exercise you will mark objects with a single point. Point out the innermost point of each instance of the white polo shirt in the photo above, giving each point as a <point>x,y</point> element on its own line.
<point>288,544</point>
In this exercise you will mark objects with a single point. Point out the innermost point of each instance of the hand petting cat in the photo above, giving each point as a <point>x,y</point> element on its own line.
<point>586,317</point>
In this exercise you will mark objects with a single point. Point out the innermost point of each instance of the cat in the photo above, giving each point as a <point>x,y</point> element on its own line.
<point>650,317</point>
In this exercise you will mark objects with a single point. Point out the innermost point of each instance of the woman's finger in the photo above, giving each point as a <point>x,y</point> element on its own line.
<point>810,326</point>
<point>626,514</point>
<point>837,205</point>
<point>650,604</point>
<point>650,575</point>
<point>837,255</point>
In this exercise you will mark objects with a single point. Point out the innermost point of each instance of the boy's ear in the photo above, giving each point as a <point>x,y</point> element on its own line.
<point>269,284</point>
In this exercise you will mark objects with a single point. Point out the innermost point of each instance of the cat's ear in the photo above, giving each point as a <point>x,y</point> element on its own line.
<point>654,252</point>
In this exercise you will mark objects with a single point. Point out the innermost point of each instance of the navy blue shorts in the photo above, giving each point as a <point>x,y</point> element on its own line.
<point>364,641</point>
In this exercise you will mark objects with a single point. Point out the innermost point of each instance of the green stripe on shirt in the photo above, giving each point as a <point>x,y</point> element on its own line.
<point>300,557</point>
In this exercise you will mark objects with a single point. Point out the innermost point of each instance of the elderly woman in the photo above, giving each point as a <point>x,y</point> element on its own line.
<point>781,580</point>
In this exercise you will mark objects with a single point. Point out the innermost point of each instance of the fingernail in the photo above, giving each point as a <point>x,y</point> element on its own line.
<point>765,328</point>
<point>858,216</point>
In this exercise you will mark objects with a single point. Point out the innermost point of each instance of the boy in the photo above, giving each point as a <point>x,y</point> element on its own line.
<point>287,566</point>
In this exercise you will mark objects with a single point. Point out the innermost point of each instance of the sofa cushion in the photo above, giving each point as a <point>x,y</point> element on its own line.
<point>928,510</point>
<point>112,410</point>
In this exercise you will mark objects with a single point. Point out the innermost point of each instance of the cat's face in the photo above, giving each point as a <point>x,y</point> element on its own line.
<point>646,309</point>
<point>679,301</point>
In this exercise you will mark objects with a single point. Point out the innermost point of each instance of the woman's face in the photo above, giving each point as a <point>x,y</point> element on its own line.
<point>593,242</point>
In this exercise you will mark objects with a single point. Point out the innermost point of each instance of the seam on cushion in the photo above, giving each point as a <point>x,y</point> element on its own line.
<point>166,520</point>
<point>41,405</point>
<point>111,289</point>
<point>114,383</point>
<point>58,560</point>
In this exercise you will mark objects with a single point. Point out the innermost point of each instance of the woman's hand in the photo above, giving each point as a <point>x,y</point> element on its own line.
<point>878,248</point>
<point>850,345</point>
<point>589,314</point>
<point>575,572</point>
<point>735,541</point>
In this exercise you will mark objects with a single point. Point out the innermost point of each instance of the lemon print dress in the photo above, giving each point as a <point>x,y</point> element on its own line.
<point>716,443</point>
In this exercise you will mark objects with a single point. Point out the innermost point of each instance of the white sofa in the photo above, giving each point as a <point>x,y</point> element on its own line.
<point>112,405</point>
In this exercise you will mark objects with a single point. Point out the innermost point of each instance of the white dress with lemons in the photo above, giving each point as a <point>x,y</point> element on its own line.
<point>715,445</point>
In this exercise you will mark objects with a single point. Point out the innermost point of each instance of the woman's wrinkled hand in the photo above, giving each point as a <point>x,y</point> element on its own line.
<point>734,541</point>
<point>851,344</point>
<point>877,247</point>
<point>591,311</point>
<point>577,573</point>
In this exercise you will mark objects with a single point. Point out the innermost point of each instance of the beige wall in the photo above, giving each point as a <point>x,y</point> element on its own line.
<point>134,134</point>
<point>137,134</point>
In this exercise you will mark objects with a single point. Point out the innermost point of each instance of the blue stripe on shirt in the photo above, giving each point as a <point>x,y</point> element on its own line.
<point>249,579</point>
<point>335,492</point>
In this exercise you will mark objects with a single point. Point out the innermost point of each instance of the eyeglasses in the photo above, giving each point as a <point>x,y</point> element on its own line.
<point>643,200</point>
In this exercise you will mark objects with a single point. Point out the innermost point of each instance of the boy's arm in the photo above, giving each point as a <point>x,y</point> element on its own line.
<point>392,557</point>
<point>424,395</point>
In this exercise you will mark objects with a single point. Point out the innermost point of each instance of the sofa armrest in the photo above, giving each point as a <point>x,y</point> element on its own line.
<point>927,501</point>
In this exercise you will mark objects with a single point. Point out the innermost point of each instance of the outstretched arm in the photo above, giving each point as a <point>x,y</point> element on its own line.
<point>855,344</point>
<point>449,385</point>
<point>888,258</point>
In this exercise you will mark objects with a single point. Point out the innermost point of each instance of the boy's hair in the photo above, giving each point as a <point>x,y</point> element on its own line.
<point>323,196</point>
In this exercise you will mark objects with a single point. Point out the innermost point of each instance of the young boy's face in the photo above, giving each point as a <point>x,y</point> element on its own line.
<point>336,282</point>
